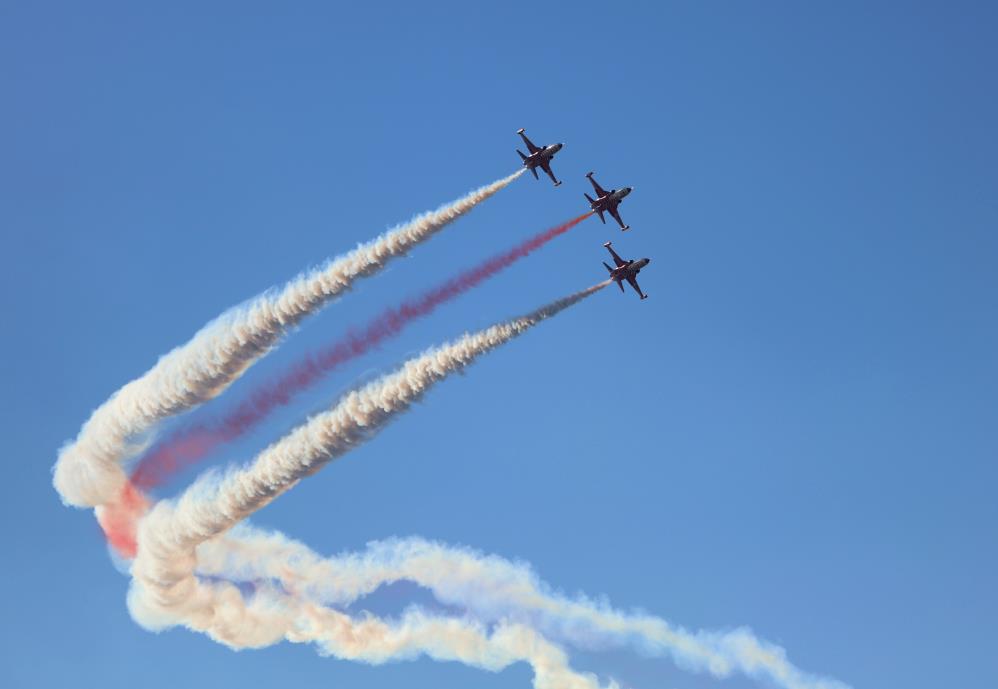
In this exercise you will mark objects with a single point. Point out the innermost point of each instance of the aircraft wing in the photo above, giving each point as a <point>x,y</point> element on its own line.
<point>634,283</point>
<point>546,166</point>
<point>616,259</point>
<point>600,191</point>
<point>530,144</point>
<point>616,216</point>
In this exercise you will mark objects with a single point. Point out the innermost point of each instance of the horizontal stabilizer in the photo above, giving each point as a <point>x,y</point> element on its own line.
<point>521,154</point>
<point>608,268</point>
<point>589,198</point>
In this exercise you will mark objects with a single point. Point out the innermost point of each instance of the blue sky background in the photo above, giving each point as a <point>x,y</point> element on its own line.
<point>796,432</point>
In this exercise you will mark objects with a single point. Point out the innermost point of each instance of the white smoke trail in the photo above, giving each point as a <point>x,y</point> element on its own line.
<point>88,471</point>
<point>210,507</point>
<point>220,610</point>
<point>491,589</point>
<point>167,591</point>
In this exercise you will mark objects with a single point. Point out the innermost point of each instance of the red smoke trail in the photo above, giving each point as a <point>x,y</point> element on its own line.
<point>189,445</point>
<point>119,519</point>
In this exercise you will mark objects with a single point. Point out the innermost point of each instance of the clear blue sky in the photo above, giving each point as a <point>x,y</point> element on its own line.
<point>796,432</point>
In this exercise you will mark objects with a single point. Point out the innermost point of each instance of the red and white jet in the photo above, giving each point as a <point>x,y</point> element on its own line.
<point>626,270</point>
<point>607,201</point>
<point>540,157</point>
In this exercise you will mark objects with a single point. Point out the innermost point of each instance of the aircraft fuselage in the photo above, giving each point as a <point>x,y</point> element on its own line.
<point>611,200</point>
<point>630,270</point>
<point>542,156</point>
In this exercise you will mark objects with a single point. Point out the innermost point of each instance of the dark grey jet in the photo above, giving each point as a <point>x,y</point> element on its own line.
<point>607,201</point>
<point>540,157</point>
<point>626,270</point>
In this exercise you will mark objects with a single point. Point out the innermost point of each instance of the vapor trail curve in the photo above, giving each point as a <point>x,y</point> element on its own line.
<point>186,446</point>
<point>88,472</point>
<point>219,610</point>
<point>490,590</point>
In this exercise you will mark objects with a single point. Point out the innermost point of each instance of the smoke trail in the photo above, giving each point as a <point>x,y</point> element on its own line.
<point>209,508</point>
<point>187,446</point>
<point>87,472</point>
<point>166,591</point>
<point>220,610</point>
<point>491,589</point>
<point>195,537</point>
<point>510,614</point>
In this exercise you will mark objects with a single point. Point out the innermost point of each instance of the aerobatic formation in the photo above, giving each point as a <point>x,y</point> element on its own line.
<point>194,560</point>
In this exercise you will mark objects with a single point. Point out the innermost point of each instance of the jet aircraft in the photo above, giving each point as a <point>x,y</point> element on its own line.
<point>540,157</point>
<point>607,201</point>
<point>626,270</point>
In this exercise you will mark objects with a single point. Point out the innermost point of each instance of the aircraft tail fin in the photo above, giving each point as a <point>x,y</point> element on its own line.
<point>521,154</point>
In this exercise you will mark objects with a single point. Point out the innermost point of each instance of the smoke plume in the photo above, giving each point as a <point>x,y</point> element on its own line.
<point>188,445</point>
<point>88,471</point>
<point>166,589</point>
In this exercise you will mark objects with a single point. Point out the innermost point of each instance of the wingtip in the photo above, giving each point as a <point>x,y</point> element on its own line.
<point>607,244</point>
<point>520,130</point>
<point>590,173</point>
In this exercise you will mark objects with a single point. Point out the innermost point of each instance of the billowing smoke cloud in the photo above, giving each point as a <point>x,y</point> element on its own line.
<point>220,610</point>
<point>88,471</point>
<point>167,591</point>
<point>491,590</point>
<point>187,446</point>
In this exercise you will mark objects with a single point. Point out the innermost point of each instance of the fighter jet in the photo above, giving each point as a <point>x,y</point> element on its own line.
<point>626,270</point>
<point>540,157</point>
<point>607,201</point>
